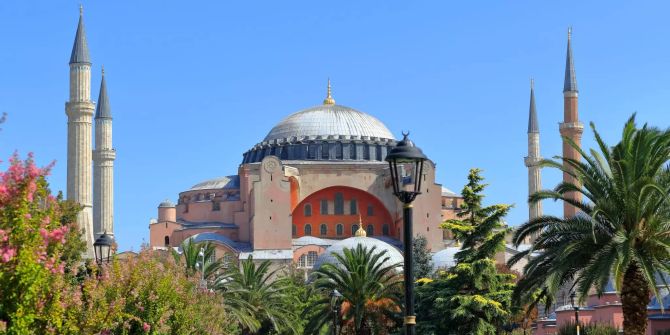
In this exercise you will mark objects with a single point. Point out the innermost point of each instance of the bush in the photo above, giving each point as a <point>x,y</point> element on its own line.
<point>588,329</point>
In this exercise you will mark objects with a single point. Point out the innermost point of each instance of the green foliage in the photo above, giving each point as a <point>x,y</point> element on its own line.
<point>570,328</point>
<point>189,256</point>
<point>621,232</point>
<point>298,298</point>
<point>472,297</point>
<point>371,292</point>
<point>423,264</point>
<point>258,301</point>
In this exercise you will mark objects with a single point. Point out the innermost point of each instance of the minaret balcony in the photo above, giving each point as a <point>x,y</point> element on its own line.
<point>571,126</point>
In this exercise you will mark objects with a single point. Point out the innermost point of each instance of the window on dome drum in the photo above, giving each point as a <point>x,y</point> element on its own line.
<point>294,230</point>
<point>354,228</point>
<point>370,230</point>
<point>167,241</point>
<point>308,210</point>
<point>324,151</point>
<point>311,151</point>
<point>186,208</point>
<point>339,229</point>
<point>216,206</point>
<point>308,230</point>
<point>353,207</point>
<point>324,207</point>
<point>338,150</point>
<point>385,229</point>
<point>339,203</point>
<point>323,229</point>
<point>366,151</point>
<point>352,151</point>
<point>371,210</point>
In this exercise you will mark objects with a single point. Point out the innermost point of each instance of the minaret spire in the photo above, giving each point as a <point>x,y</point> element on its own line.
<point>533,159</point>
<point>79,111</point>
<point>103,165</point>
<point>329,98</point>
<point>570,127</point>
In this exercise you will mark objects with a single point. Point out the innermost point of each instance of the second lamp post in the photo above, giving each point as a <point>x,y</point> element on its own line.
<point>406,165</point>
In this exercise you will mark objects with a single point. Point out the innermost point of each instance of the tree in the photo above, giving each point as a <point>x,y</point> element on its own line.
<point>189,256</point>
<point>370,288</point>
<point>621,231</point>
<point>472,297</point>
<point>259,302</point>
<point>423,264</point>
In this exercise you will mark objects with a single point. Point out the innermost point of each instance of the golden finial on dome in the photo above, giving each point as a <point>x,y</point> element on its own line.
<point>360,232</point>
<point>329,99</point>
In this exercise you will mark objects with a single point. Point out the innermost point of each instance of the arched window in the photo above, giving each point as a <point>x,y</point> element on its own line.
<point>308,230</point>
<point>352,151</point>
<point>311,151</point>
<point>339,203</point>
<point>323,229</point>
<point>324,151</point>
<point>227,260</point>
<point>308,259</point>
<point>370,230</point>
<point>354,228</point>
<point>339,229</point>
<point>167,241</point>
<point>353,207</point>
<point>338,150</point>
<point>371,210</point>
<point>366,151</point>
<point>294,230</point>
<point>324,207</point>
<point>385,229</point>
<point>308,210</point>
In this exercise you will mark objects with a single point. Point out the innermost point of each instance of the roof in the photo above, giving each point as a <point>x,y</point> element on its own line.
<point>267,254</point>
<point>570,84</point>
<point>395,257</point>
<point>80,47</point>
<point>329,120</point>
<point>221,239</point>
<point>448,193</point>
<point>533,126</point>
<point>445,258</point>
<point>228,182</point>
<point>103,110</point>
<point>166,203</point>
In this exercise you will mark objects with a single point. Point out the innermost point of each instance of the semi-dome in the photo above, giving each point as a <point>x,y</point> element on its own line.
<point>327,132</point>
<point>329,120</point>
<point>445,258</point>
<point>393,254</point>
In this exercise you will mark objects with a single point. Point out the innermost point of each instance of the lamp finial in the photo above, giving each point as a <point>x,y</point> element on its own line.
<point>329,98</point>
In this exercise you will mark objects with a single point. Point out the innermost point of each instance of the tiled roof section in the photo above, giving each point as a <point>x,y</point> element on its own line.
<point>103,110</point>
<point>570,84</point>
<point>533,126</point>
<point>80,47</point>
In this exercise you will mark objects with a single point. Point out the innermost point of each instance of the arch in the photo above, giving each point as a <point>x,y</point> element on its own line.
<point>308,229</point>
<point>354,228</point>
<point>385,229</point>
<point>354,199</point>
<point>308,209</point>
<point>370,230</point>
<point>167,241</point>
<point>323,229</point>
<point>295,191</point>
<point>339,229</point>
<point>307,260</point>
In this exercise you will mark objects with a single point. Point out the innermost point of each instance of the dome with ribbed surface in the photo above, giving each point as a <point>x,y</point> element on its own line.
<point>393,254</point>
<point>329,120</point>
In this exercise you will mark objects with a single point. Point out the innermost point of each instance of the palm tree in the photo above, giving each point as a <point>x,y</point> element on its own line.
<point>257,298</point>
<point>370,287</point>
<point>622,232</point>
<point>192,258</point>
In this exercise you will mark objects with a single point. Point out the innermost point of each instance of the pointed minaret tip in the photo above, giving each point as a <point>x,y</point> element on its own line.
<point>329,98</point>
<point>80,47</point>
<point>533,126</point>
<point>103,109</point>
<point>570,83</point>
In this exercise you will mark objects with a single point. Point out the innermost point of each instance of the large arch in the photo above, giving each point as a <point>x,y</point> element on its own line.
<point>378,216</point>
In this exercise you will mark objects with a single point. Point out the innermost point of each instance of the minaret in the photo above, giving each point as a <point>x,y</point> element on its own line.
<point>103,165</point>
<point>533,159</point>
<point>79,111</point>
<point>570,127</point>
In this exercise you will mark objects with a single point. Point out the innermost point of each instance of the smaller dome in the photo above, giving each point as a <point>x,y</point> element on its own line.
<point>393,254</point>
<point>445,258</point>
<point>166,204</point>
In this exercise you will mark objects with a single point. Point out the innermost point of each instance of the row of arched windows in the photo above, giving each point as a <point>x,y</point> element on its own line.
<point>339,229</point>
<point>338,208</point>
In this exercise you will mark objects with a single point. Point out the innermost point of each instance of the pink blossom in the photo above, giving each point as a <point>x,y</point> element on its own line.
<point>7,253</point>
<point>146,327</point>
<point>28,216</point>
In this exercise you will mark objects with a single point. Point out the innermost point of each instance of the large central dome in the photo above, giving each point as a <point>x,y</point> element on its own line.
<point>327,132</point>
<point>329,120</point>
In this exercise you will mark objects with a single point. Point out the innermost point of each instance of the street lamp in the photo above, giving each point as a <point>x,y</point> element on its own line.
<point>335,301</point>
<point>406,165</point>
<point>201,254</point>
<point>575,306</point>
<point>103,248</point>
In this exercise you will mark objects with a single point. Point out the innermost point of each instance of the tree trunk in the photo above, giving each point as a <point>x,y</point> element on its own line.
<point>635,296</point>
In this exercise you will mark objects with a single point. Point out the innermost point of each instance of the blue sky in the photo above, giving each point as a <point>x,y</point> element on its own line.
<point>194,85</point>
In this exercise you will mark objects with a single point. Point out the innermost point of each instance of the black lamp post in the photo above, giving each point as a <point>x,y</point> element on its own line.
<point>103,248</point>
<point>575,306</point>
<point>335,301</point>
<point>406,164</point>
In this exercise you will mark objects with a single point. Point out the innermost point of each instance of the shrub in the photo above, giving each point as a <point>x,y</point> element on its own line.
<point>588,329</point>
